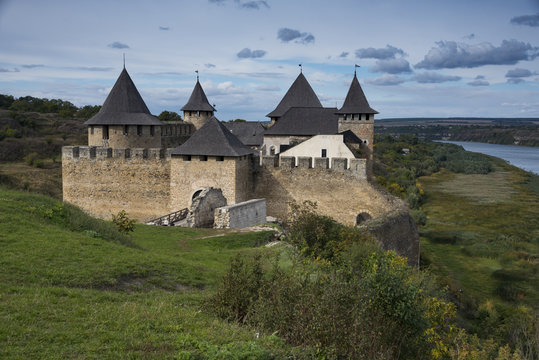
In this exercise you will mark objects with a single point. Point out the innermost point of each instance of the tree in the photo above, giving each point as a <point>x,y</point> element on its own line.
<point>169,116</point>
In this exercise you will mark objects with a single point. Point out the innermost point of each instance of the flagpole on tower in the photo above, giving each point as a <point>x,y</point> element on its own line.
<point>300,68</point>
<point>197,74</point>
<point>355,67</point>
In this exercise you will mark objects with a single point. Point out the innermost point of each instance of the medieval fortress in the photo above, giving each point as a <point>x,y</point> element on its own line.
<point>136,163</point>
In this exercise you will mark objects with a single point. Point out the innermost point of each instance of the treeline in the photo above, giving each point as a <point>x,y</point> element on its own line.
<point>519,134</point>
<point>339,296</point>
<point>64,109</point>
<point>398,162</point>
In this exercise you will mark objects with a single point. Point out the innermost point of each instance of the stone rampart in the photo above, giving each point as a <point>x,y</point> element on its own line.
<point>103,181</point>
<point>244,214</point>
<point>341,191</point>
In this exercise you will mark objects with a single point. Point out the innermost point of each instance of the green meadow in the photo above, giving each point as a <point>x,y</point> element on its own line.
<point>481,238</point>
<point>68,293</point>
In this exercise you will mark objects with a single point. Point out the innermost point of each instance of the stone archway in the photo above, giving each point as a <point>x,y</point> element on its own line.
<point>195,194</point>
<point>362,217</point>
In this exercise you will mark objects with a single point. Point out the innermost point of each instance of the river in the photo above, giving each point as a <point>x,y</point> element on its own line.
<point>524,157</point>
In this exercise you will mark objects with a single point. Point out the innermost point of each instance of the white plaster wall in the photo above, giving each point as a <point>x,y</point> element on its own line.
<point>334,144</point>
<point>275,141</point>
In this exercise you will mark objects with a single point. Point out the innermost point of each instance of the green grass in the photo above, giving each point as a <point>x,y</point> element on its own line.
<point>67,294</point>
<point>482,235</point>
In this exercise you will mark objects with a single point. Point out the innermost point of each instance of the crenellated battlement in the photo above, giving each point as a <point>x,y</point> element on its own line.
<point>101,153</point>
<point>354,167</point>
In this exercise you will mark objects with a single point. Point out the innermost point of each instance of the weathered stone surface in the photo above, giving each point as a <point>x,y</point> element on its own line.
<point>104,186</point>
<point>188,175</point>
<point>244,214</point>
<point>201,213</point>
<point>396,230</point>
<point>339,194</point>
<point>145,136</point>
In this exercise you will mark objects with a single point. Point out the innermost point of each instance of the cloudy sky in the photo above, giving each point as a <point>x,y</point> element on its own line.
<point>418,57</point>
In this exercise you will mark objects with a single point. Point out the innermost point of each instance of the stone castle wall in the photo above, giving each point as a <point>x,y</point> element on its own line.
<point>244,214</point>
<point>341,192</point>
<point>190,174</point>
<point>103,181</point>
<point>118,139</point>
<point>175,133</point>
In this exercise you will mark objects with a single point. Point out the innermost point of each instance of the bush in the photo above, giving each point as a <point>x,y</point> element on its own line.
<point>32,159</point>
<point>419,217</point>
<point>372,309</point>
<point>123,223</point>
<point>317,236</point>
<point>239,289</point>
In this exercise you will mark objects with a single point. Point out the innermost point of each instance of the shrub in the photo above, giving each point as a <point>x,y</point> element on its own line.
<point>123,223</point>
<point>374,308</point>
<point>239,289</point>
<point>318,236</point>
<point>32,159</point>
<point>419,217</point>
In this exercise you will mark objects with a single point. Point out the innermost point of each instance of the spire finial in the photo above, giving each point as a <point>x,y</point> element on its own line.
<point>300,69</point>
<point>355,67</point>
<point>197,74</point>
<point>124,61</point>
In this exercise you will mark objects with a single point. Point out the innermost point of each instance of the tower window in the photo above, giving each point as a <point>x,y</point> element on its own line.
<point>91,129</point>
<point>126,130</point>
<point>151,130</point>
<point>344,116</point>
<point>105,132</point>
<point>220,158</point>
<point>324,153</point>
<point>203,158</point>
<point>367,116</point>
<point>139,130</point>
<point>187,158</point>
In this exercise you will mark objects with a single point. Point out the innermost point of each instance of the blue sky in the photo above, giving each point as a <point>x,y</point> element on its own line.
<point>417,58</point>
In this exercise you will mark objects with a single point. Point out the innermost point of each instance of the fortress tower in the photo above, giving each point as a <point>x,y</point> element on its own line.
<point>124,120</point>
<point>357,115</point>
<point>198,109</point>
<point>212,157</point>
<point>300,94</point>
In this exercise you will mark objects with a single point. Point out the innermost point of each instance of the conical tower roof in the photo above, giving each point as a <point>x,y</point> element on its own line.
<point>198,100</point>
<point>300,94</point>
<point>356,102</point>
<point>124,106</point>
<point>213,139</point>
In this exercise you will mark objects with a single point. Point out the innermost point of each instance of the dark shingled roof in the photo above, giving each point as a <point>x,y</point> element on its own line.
<point>123,106</point>
<point>300,94</point>
<point>250,133</point>
<point>356,102</point>
<point>212,139</point>
<point>198,100</point>
<point>306,121</point>
<point>350,137</point>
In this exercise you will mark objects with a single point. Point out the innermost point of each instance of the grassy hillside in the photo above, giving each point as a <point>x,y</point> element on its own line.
<point>482,238</point>
<point>75,294</point>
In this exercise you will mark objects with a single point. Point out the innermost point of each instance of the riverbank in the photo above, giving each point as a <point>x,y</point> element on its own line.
<point>523,157</point>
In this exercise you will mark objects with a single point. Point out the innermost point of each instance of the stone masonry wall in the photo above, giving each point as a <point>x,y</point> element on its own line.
<point>341,192</point>
<point>117,139</point>
<point>244,214</point>
<point>103,181</point>
<point>231,175</point>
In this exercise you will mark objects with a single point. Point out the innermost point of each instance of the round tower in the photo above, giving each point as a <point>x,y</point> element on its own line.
<point>124,120</point>
<point>198,110</point>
